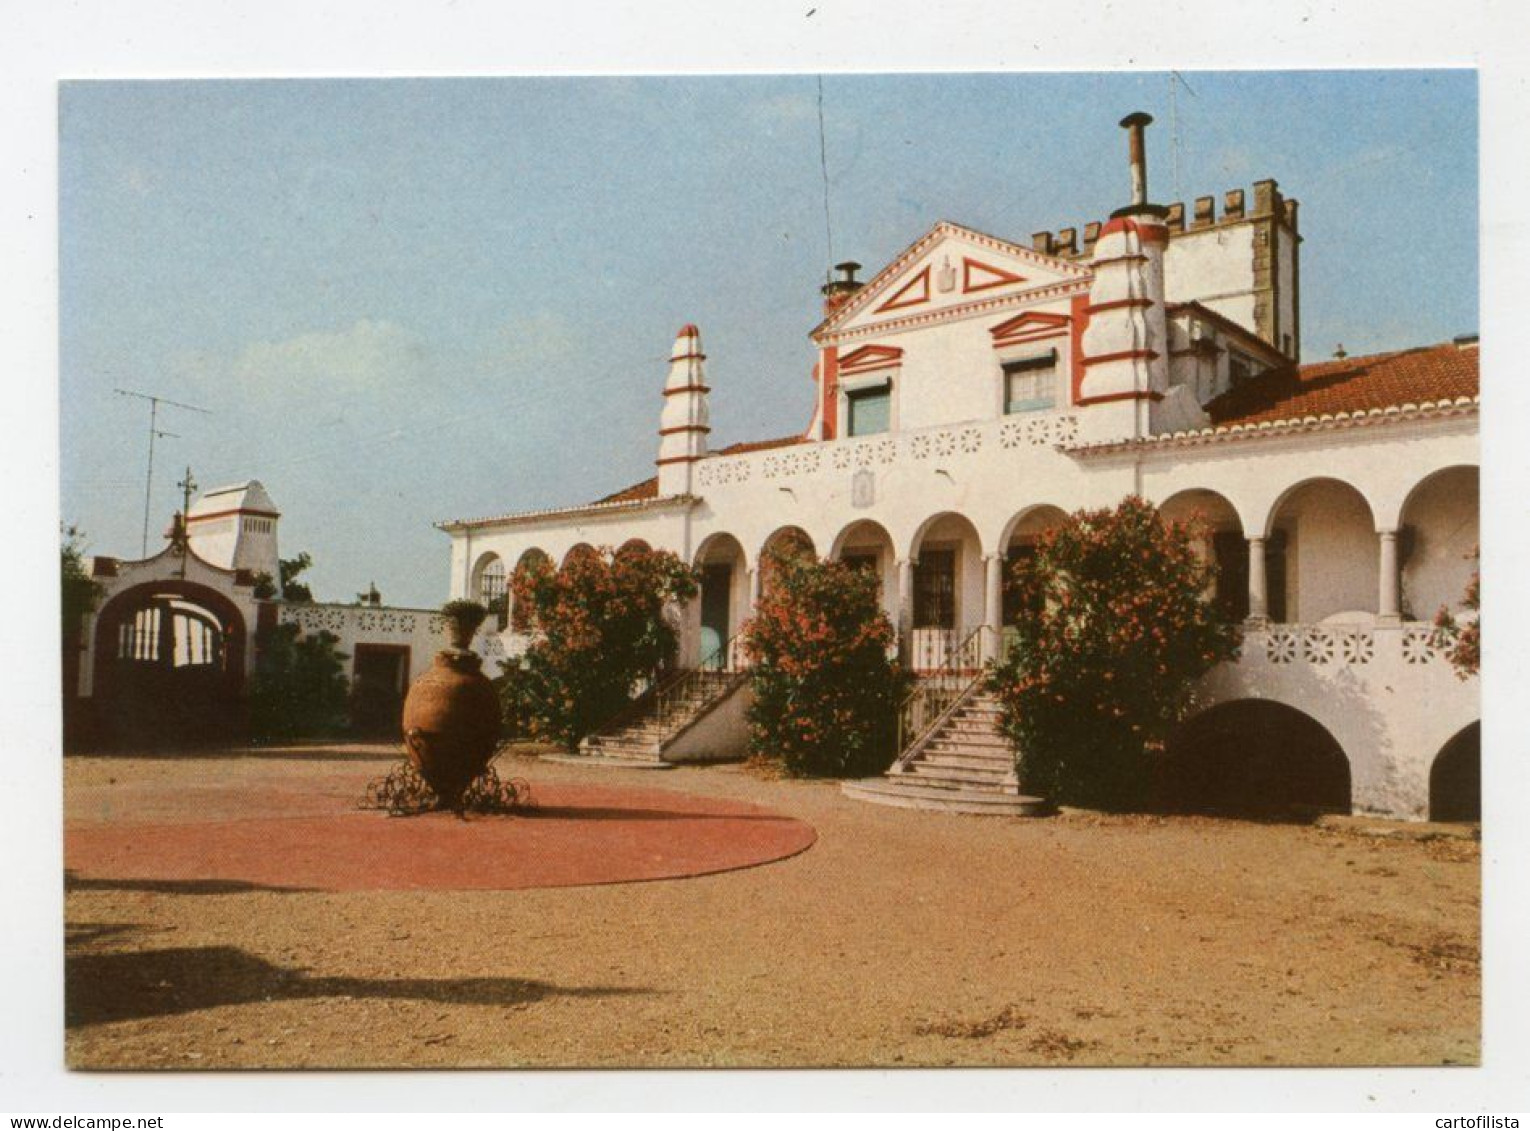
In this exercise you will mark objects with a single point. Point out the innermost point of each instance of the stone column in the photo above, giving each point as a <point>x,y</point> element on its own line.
<point>905,607</point>
<point>1258,586</point>
<point>756,579</point>
<point>1389,606</point>
<point>993,605</point>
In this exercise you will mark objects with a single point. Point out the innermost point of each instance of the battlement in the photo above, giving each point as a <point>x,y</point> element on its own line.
<point>1267,203</point>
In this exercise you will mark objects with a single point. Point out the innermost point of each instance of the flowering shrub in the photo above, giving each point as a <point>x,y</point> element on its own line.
<point>1115,628</point>
<point>1462,642</point>
<point>825,694</point>
<point>598,627</point>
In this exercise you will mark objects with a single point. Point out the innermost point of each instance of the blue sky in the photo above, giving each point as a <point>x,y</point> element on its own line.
<point>409,300</point>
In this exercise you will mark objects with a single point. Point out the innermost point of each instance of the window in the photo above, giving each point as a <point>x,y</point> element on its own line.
<point>492,590</point>
<point>1030,385</point>
<point>870,410</point>
<point>935,589</point>
<point>1239,370</point>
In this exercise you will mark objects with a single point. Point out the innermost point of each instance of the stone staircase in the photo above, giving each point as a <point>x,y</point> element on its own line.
<point>963,764</point>
<point>641,734</point>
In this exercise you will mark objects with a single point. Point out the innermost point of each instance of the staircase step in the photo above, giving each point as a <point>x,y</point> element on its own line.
<point>964,761</point>
<point>956,777</point>
<point>908,794</point>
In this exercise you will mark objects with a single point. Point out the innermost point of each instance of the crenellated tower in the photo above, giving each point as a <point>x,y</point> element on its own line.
<point>684,423</point>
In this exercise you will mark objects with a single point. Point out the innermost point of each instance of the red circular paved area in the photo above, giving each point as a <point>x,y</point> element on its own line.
<point>576,834</point>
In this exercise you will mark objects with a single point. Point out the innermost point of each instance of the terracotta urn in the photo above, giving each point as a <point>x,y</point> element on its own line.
<point>451,724</point>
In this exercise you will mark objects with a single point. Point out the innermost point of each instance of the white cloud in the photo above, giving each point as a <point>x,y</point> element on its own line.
<point>318,365</point>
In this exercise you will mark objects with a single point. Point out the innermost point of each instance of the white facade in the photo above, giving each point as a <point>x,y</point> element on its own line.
<point>1004,386</point>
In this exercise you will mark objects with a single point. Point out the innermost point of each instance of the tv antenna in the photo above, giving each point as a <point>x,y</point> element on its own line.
<point>155,432</point>
<point>1177,80</point>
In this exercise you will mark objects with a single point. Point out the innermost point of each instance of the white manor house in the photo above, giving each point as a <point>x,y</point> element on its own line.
<point>975,390</point>
<point>969,394</point>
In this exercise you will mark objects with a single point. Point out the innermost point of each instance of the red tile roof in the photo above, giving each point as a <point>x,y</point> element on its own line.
<point>1352,384</point>
<point>649,488</point>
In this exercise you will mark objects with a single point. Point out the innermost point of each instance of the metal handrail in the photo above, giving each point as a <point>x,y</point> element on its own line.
<point>663,699</point>
<point>677,696</point>
<point>926,706</point>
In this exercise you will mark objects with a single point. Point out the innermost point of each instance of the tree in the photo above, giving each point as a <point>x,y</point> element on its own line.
<point>598,627</point>
<point>79,592</point>
<point>1115,628</point>
<point>1461,639</point>
<point>826,695</point>
<point>292,590</point>
<point>299,687</point>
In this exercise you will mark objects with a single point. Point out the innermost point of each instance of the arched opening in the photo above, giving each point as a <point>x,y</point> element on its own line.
<point>724,599</point>
<point>1323,557</point>
<point>578,551</point>
<point>1223,545</point>
<point>520,614</point>
<point>1436,541</point>
<point>1021,537</point>
<point>787,541</point>
<point>170,664</point>
<point>491,588</point>
<point>1455,779</point>
<point>867,545</point>
<point>633,546</point>
<point>1254,758</point>
<point>947,601</point>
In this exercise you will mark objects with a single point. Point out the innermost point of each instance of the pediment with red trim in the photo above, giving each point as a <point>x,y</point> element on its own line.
<point>951,267</point>
<point>1029,326</point>
<point>869,358</point>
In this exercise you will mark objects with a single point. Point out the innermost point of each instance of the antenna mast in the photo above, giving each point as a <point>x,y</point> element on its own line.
<point>154,433</point>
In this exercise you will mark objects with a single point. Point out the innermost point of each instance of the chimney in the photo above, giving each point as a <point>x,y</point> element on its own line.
<point>685,421</point>
<point>837,292</point>
<point>1134,124</point>
<point>1125,341</point>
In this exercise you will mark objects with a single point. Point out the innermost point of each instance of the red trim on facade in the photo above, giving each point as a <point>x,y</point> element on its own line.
<point>1120,304</point>
<point>1028,326</point>
<point>1002,277</point>
<point>897,301</point>
<point>868,358</point>
<point>236,510</point>
<point>688,357</point>
<point>1133,395</point>
<point>679,459</point>
<point>684,428</point>
<point>830,392</point>
<point>1146,232</point>
<point>1081,318</point>
<point>1122,355</point>
<point>1114,259</point>
<point>687,389</point>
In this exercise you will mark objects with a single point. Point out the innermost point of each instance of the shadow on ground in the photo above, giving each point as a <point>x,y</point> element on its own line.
<point>131,985</point>
<point>75,882</point>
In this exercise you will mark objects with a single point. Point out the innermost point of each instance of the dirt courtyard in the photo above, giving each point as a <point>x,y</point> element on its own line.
<point>898,938</point>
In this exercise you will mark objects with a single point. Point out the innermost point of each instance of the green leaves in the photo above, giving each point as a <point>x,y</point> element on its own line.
<point>825,693</point>
<point>599,627</point>
<point>1115,630</point>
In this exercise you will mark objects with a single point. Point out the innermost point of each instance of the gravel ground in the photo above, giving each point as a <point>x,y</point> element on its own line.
<point>900,938</point>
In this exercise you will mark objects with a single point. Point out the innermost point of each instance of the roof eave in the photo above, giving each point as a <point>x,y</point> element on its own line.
<point>588,510</point>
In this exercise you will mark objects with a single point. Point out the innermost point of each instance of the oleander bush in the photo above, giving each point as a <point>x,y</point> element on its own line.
<point>826,693</point>
<point>1115,628</point>
<point>598,629</point>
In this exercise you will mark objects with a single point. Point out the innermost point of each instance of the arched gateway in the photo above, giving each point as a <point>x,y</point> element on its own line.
<point>169,663</point>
